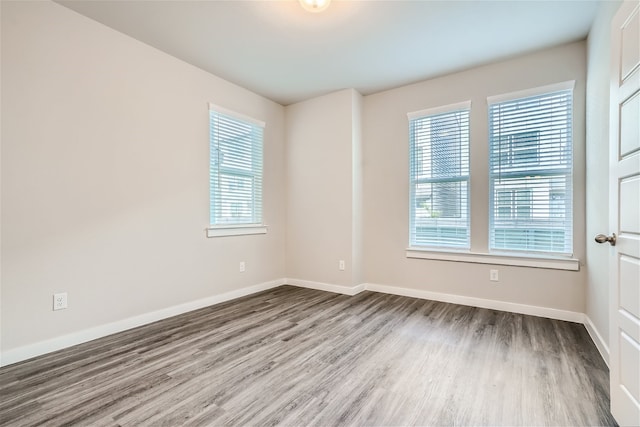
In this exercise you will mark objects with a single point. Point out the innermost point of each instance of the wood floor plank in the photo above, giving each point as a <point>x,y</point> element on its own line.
<point>292,356</point>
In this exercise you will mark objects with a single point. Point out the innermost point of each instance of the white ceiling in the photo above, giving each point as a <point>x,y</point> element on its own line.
<point>284,53</point>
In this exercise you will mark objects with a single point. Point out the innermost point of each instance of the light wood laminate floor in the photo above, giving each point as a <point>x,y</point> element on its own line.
<point>302,357</point>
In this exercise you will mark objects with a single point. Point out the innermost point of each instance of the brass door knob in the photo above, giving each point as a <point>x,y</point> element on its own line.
<point>602,238</point>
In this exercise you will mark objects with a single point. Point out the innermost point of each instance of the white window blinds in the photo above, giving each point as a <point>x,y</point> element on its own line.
<point>530,173</point>
<point>235,168</point>
<point>439,177</point>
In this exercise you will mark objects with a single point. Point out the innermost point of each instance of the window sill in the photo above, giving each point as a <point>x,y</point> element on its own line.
<point>553,263</point>
<point>236,230</point>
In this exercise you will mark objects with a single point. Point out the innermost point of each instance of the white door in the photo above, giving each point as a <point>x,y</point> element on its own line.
<point>624,188</point>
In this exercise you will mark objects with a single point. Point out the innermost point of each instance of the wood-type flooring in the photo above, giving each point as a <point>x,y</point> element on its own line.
<point>300,357</point>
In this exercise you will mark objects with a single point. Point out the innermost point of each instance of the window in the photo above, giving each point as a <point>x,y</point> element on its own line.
<point>439,176</point>
<point>235,169</point>
<point>530,172</point>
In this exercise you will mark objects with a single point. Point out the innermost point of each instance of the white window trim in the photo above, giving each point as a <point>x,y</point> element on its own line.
<point>547,262</point>
<point>238,116</point>
<point>557,87</point>
<point>464,105</point>
<point>236,230</point>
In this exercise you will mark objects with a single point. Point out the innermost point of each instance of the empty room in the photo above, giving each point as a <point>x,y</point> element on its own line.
<point>320,213</point>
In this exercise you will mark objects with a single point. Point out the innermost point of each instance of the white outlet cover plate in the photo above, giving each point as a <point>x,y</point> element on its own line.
<point>60,301</point>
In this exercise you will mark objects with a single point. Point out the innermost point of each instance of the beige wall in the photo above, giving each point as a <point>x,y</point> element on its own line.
<point>323,145</point>
<point>386,188</point>
<point>597,184</point>
<point>105,178</point>
<point>105,181</point>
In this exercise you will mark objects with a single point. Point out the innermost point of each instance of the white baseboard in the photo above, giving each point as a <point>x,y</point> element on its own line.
<point>32,350</point>
<point>37,349</point>
<point>597,339</point>
<point>338,289</point>
<point>551,313</point>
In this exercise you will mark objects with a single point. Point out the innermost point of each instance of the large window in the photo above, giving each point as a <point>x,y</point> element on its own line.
<point>530,173</point>
<point>439,174</point>
<point>235,172</point>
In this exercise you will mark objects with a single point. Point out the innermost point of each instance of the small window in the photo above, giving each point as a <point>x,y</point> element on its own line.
<point>235,169</point>
<point>439,176</point>
<point>530,172</point>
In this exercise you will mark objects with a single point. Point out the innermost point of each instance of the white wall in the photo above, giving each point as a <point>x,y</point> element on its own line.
<point>323,169</point>
<point>105,178</point>
<point>597,182</point>
<point>386,187</point>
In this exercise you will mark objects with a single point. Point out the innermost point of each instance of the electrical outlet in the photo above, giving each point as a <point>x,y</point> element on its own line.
<point>60,301</point>
<point>341,265</point>
<point>243,267</point>
<point>493,275</point>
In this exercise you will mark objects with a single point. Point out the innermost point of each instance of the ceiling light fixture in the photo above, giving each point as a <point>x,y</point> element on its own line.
<point>315,5</point>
